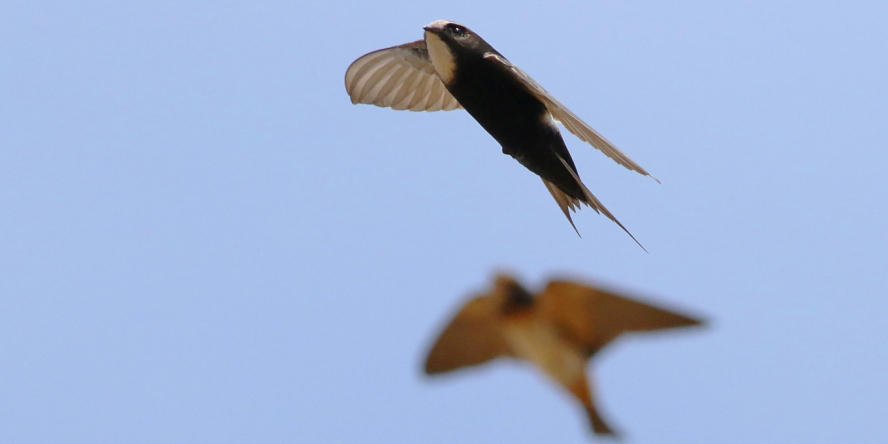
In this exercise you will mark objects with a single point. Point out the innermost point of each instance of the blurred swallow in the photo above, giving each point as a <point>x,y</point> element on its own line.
<point>558,330</point>
<point>455,68</point>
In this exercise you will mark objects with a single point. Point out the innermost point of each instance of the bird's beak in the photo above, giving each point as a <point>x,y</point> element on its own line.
<point>435,27</point>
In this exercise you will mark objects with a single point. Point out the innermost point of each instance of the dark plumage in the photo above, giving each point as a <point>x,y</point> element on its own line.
<point>454,67</point>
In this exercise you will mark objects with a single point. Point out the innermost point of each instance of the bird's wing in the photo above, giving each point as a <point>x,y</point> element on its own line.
<point>594,317</point>
<point>400,77</point>
<point>471,338</point>
<point>570,121</point>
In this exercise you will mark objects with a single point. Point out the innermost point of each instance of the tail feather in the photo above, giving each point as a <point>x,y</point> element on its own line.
<point>567,202</point>
<point>564,201</point>
<point>580,390</point>
<point>599,426</point>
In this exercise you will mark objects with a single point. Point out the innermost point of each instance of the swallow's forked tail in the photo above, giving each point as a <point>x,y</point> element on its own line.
<point>564,201</point>
<point>567,202</point>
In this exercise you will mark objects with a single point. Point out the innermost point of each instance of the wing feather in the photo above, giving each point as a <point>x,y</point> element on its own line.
<point>570,121</point>
<point>594,317</point>
<point>422,93</point>
<point>406,90</point>
<point>400,77</point>
<point>473,337</point>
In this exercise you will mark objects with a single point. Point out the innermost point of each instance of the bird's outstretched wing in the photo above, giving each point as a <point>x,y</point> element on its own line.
<point>570,121</point>
<point>400,77</point>
<point>593,317</point>
<point>471,338</point>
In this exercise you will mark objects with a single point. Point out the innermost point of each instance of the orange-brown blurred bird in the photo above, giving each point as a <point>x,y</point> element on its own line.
<point>558,331</point>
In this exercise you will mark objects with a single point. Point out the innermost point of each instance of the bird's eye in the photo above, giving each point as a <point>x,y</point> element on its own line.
<point>457,30</point>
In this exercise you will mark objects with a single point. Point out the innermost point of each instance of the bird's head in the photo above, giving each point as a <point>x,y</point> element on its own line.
<point>513,296</point>
<point>446,29</point>
<point>447,42</point>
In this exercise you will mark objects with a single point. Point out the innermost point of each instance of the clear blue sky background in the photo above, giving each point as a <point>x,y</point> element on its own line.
<point>203,241</point>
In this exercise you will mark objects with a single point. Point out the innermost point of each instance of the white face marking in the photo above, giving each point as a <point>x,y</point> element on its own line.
<point>441,57</point>
<point>439,24</point>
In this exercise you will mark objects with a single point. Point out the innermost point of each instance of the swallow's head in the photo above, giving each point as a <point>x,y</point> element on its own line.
<point>448,30</point>
<point>512,295</point>
<point>447,42</point>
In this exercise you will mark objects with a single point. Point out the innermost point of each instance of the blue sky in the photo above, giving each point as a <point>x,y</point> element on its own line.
<point>203,241</point>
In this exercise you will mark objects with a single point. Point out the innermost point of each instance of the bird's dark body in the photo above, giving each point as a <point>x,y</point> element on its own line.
<point>452,67</point>
<point>492,94</point>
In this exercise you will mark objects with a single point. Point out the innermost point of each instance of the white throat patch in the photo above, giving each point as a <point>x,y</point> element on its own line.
<point>441,57</point>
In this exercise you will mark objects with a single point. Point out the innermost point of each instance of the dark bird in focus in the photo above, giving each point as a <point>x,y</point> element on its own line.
<point>455,68</point>
<point>558,331</point>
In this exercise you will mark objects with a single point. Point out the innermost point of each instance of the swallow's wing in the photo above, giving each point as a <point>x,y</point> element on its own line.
<point>471,338</point>
<point>594,317</point>
<point>400,77</point>
<point>570,121</point>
